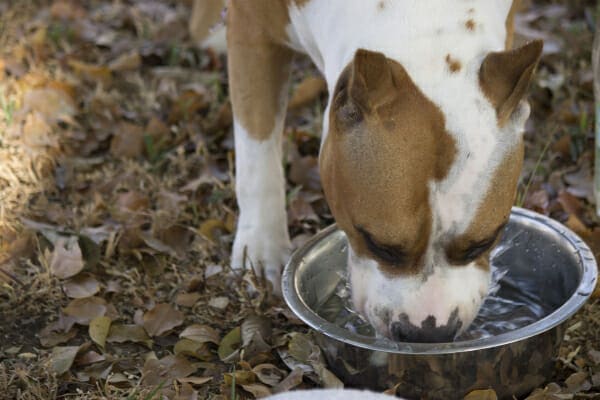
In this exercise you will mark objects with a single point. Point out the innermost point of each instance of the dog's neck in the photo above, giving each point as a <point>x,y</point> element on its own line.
<point>418,34</point>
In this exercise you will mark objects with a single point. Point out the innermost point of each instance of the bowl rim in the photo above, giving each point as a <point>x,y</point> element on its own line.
<point>582,292</point>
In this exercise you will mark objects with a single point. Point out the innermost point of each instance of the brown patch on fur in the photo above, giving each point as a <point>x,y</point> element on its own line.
<point>453,64</point>
<point>493,212</point>
<point>381,5</point>
<point>258,63</point>
<point>470,24</point>
<point>504,77</point>
<point>386,141</point>
<point>510,25</point>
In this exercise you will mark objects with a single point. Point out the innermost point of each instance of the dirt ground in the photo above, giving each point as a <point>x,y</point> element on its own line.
<point>117,209</point>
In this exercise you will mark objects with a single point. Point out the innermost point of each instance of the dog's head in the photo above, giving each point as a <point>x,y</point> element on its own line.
<point>423,190</point>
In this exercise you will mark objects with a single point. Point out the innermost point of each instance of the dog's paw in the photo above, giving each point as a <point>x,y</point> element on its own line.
<point>263,252</point>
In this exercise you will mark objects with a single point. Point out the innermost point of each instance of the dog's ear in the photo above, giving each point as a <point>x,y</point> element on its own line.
<point>504,77</point>
<point>371,83</point>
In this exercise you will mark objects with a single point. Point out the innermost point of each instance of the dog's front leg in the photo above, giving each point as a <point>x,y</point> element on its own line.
<point>258,78</point>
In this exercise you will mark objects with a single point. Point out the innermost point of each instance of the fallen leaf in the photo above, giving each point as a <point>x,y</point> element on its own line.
<point>52,103</point>
<point>596,380</point>
<point>258,390</point>
<point>62,358</point>
<point>222,119</point>
<point>162,318</point>
<point>241,377</point>
<point>538,201</point>
<point>563,146</point>
<point>268,374</point>
<point>89,357</point>
<point>575,224</point>
<point>307,91</point>
<point>255,331</point>
<point>230,344</point>
<point>121,333</point>
<point>212,229</point>
<point>301,347</point>
<point>117,379</point>
<point>212,270</point>
<point>330,381</point>
<point>594,355</point>
<point>187,299</point>
<point>97,371</point>
<point>570,203</point>
<point>291,381</point>
<point>91,72</point>
<point>130,207</point>
<point>127,141</point>
<point>487,394</point>
<point>67,260</point>
<point>98,330</point>
<point>187,392</point>
<point>301,210</point>
<point>83,285</point>
<point>219,302</point>
<point>37,133</point>
<point>304,171</point>
<point>157,129</point>
<point>164,371</point>
<point>578,382</point>
<point>187,105</point>
<point>67,10</point>
<point>194,349</point>
<point>195,380</point>
<point>54,334</point>
<point>580,182</point>
<point>86,309</point>
<point>126,62</point>
<point>201,334</point>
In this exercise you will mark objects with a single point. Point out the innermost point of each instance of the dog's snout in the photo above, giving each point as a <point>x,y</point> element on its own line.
<point>429,330</point>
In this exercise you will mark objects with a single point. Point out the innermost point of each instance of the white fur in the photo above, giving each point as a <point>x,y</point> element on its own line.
<point>420,34</point>
<point>217,40</point>
<point>438,295</point>
<point>331,394</point>
<point>260,188</point>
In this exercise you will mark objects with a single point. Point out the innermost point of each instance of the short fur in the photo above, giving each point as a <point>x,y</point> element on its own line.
<point>421,144</point>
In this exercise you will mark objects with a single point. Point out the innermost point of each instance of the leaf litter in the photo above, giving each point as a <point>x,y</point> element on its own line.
<point>117,209</point>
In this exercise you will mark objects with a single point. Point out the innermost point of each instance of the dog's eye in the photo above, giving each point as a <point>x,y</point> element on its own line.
<point>477,249</point>
<point>390,254</point>
<point>460,253</point>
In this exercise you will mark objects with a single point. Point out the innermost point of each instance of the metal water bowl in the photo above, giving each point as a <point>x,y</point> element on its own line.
<point>511,363</point>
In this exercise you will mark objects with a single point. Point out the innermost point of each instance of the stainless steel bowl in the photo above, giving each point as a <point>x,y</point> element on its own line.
<point>512,363</point>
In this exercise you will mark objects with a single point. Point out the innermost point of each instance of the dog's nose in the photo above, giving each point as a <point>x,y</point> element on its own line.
<point>430,331</point>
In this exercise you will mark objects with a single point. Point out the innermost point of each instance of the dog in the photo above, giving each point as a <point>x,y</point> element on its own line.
<point>421,148</point>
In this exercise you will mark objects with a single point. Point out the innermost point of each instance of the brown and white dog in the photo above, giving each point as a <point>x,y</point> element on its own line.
<point>421,149</point>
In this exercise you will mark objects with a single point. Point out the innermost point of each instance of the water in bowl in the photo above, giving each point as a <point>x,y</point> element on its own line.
<point>511,304</point>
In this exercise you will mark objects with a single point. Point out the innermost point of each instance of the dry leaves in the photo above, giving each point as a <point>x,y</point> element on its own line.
<point>67,259</point>
<point>161,319</point>
<point>83,311</point>
<point>62,358</point>
<point>98,330</point>
<point>83,285</point>
<point>121,333</point>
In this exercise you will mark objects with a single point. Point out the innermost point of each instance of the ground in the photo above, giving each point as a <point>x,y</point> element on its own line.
<point>117,208</point>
